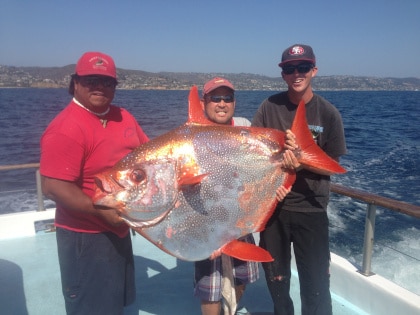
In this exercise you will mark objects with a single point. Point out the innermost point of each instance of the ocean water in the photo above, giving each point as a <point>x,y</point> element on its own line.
<point>382,132</point>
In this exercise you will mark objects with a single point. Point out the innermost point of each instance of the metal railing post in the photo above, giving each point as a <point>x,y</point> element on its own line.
<point>368,240</point>
<point>41,206</point>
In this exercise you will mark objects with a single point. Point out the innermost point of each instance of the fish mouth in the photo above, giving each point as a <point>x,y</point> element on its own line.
<point>103,199</point>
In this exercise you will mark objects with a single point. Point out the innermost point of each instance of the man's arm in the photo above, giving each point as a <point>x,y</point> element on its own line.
<point>71,197</point>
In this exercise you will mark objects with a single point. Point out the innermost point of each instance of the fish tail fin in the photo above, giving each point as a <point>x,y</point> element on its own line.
<point>311,154</point>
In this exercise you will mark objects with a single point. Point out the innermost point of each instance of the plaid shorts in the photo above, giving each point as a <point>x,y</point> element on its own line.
<point>208,275</point>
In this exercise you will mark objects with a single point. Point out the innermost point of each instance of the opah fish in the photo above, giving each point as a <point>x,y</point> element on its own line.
<point>197,189</point>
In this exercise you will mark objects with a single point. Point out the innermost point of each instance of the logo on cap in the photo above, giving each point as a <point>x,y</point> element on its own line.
<point>99,62</point>
<point>296,51</point>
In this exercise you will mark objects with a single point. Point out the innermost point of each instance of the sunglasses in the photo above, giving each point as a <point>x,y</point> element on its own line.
<point>301,68</point>
<point>96,81</point>
<point>219,98</point>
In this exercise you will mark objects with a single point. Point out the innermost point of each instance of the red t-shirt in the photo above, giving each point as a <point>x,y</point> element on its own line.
<point>76,146</point>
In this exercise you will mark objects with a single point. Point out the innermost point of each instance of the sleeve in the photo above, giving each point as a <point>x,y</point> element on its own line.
<point>143,138</point>
<point>241,121</point>
<point>335,146</point>
<point>258,120</point>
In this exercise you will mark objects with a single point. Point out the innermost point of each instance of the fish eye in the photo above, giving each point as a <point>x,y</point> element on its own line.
<point>138,176</point>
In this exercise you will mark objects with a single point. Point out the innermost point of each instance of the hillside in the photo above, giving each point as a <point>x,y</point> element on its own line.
<point>59,77</point>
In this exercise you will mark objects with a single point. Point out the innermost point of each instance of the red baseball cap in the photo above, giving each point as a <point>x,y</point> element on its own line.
<point>216,83</point>
<point>96,63</point>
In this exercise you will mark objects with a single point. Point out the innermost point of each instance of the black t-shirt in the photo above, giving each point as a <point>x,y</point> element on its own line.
<point>310,192</point>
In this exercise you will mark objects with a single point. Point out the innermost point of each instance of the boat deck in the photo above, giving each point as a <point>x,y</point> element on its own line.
<point>29,274</point>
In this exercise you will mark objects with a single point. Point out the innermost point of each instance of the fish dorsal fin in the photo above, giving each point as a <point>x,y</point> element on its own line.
<point>311,155</point>
<point>195,112</point>
<point>246,251</point>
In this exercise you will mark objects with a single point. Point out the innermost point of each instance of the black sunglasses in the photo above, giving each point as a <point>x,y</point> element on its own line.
<point>301,68</point>
<point>95,81</point>
<point>219,98</point>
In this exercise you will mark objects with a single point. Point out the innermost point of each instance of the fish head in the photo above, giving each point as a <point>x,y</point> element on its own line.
<point>142,190</point>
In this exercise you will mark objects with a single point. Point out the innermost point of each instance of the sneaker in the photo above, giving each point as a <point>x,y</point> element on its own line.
<point>242,311</point>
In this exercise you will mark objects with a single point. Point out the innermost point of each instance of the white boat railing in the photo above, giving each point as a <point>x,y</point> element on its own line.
<point>371,200</point>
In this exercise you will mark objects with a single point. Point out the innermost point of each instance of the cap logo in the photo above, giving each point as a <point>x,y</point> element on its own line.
<point>98,62</point>
<point>296,51</point>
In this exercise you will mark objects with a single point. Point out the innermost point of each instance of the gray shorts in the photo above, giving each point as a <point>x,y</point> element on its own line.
<point>97,272</point>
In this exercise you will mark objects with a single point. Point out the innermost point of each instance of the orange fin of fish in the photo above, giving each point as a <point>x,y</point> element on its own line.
<point>189,180</point>
<point>246,251</point>
<point>195,111</point>
<point>290,178</point>
<point>311,155</point>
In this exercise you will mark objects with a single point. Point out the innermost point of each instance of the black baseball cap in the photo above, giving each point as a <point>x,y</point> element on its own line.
<point>297,52</point>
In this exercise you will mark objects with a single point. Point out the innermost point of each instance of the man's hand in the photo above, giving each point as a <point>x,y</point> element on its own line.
<point>110,216</point>
<point>290,159</point>
<point>291,141</point>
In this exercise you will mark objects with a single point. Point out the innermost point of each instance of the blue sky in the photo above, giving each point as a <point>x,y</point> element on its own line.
<point>358,37</point>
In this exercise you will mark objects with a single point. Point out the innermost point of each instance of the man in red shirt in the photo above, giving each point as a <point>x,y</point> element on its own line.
<point>87,137</point>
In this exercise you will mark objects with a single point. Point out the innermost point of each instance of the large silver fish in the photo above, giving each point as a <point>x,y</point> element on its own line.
<point>197,189</point>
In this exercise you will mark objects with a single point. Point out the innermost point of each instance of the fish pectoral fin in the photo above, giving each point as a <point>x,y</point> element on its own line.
<point>191,180</point>
<point>246,251</point>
